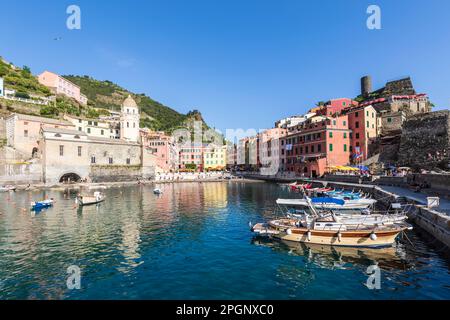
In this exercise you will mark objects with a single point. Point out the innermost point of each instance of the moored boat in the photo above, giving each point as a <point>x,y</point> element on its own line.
<point>329,203</point>
<point>331,233</point>
<point>85,200</point>
<point>39,205</point>
<point>157,191</point>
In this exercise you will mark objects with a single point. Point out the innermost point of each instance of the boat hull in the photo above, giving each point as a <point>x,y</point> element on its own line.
<point>357,238</point>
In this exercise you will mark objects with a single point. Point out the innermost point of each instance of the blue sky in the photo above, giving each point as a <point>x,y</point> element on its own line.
<point>242,63</point>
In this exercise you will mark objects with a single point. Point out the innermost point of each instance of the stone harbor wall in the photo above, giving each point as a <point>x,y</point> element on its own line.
<point>20,173</point>
<point>119,173</point>
<point>2,131</point>
<point>425,141</point>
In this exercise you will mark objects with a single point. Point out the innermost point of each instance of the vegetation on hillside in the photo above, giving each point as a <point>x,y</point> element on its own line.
<point>21,80</point>
<point>102,96</point>
<point>154,115</point>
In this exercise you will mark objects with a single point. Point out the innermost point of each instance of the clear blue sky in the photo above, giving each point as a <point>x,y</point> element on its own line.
<point>242,63</point>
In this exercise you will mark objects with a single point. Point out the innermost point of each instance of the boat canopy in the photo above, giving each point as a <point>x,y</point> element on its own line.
<point>328,200</point>
<point>302,202</point>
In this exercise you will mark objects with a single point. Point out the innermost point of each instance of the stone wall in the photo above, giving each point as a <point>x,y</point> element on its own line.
<point>425,141</point>
<point>20,173</point>
<point>111,173</point>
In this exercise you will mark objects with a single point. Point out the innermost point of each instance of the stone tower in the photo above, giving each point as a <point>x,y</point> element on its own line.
<point>366,86</point>
<point>129,120</point>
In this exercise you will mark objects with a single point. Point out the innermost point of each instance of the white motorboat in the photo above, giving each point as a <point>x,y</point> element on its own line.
<point>157,191</point>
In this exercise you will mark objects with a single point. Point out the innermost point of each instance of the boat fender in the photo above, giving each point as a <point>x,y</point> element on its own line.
<point>289,231</point>
<point>339,235</point>
<point>308,235</point>
<point>373,236</point>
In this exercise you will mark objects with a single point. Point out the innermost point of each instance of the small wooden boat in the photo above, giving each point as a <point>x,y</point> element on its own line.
<point>85,200</point>
<point>39,205</point>
<point>331,233</point>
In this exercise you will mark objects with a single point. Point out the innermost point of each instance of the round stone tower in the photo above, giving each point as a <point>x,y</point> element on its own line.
<point>129,120</point>
<point>366,85</point>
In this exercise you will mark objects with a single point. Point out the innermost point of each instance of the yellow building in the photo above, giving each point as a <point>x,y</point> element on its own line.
<point>215,158</point>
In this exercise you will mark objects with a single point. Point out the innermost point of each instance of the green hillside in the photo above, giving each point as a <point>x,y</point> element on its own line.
<point>156,116</point>
<point>102,96</point>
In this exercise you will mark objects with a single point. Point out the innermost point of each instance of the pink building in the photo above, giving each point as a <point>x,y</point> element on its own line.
<point>163,148</point>
<point>318,144</point>
<point>23,131</point>
<point>60,85</point>
<point>192,155</point>
<point>363,123</point>
<point>335,106</point>
<point>269,149</point>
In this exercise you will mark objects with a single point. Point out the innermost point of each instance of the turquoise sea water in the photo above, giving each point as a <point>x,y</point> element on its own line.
<point>193,242</point>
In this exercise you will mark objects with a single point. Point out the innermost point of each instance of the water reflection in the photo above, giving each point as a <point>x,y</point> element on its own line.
<point>193,242</point>
<point>330,257</point>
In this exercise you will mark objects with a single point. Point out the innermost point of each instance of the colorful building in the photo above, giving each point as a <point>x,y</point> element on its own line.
<point>60,85</point>
<point>23,131</point>
<point>215,158</point>
<point>316,146</point>
<point>164,149</point>
<point>269,150</point>
<point>191,156</point>
<point>364,126</point>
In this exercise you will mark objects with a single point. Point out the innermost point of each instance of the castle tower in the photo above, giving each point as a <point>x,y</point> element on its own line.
<point>129,120</point>
<point>366,86</point>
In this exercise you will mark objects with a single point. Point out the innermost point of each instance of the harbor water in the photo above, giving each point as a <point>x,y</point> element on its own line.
<point>194,242</point>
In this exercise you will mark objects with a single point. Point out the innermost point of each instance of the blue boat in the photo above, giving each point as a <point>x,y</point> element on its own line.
<point>39,205</point>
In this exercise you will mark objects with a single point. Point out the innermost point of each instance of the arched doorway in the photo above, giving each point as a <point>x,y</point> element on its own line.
<point>70,178</point>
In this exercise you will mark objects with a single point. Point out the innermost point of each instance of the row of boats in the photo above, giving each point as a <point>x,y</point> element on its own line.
<point>336,218</point>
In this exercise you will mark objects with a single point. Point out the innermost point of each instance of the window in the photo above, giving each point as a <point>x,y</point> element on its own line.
<point>79,129</point>
<point>110,160</point>
<point>356,124</point>
<point>134,124</point>
<point>357,135</point>
<point>95,123</point>
<point>79,151</point>
<point>334,122</point>
<point>79,120</point>
<point>128,124</point>
<point>61,151</point>
<point>88,130</point>
<point>102,132</point>
<point>312,149</point>
<point>331,134</point>
<point>345,135</point>
<point>128,160</point>
<point>367,113</point>
<point>368,125</point>
<point>344,123</point>
<point>345,148</point>
<point>356,114</point>
<point>331,147</point>
<point>389,120</point>
<point>319,148</point>
<point>90,123</point>
<point>25,133</point>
